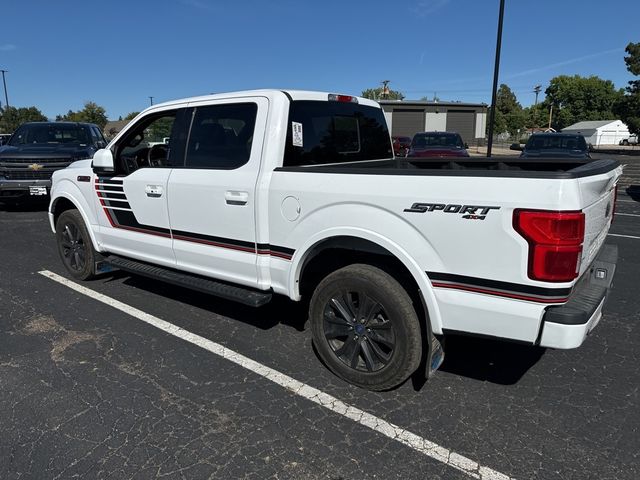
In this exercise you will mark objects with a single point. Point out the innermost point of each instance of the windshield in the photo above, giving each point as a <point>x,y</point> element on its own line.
<point>425,140</point>
<point>47,134</point>
<point>556,142</point>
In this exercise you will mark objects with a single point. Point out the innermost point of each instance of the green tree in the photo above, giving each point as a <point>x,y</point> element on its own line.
<point>628,105</point>
<point>91,113</point>
<point>510,116</point>
<point>576,99</point>
<point>509,110</point>
<point>159,130</point>
<point>376,94</point>
<point>131,116</point>
<point>11,117</point>
<point>499,123</point>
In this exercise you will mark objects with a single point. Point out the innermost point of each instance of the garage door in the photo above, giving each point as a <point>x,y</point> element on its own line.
<point>407,122</point>
<point>607,137</point>
<point>463,122</point>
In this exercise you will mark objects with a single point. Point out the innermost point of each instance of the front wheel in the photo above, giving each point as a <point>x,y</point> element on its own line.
<point>365,327</point>
<point>74,245</point>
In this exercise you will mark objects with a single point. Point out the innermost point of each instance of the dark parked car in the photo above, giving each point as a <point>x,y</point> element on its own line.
<point>555,145</point>
<point>38,149</point>
<point>401,146</point>
<point>437,144</point>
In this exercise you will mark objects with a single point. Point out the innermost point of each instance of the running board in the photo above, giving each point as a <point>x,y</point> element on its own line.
<point>247,296</point>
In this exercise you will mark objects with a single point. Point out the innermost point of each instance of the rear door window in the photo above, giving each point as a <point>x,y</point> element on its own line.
<point>221,136</point>
<point>335,132</point>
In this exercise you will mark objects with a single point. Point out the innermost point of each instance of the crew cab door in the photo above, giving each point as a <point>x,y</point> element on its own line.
<point>135,219</point>
<point>212,201</point>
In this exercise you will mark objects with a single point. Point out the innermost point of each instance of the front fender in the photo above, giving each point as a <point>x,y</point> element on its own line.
<point>65,188</point>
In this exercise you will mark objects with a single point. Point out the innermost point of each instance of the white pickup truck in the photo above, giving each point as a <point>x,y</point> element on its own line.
<point>297,193</point>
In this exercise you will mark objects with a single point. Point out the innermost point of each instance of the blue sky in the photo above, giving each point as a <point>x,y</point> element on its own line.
<point>61,54</point>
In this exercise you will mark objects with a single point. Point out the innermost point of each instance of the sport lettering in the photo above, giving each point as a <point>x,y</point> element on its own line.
<point>468,212</point>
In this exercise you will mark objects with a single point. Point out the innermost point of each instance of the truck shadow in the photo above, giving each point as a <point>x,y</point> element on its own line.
<point>280,310</point>
<point>634,192</point>
<point>28,205</point>
<point>489,360</point>
<point>482,359</point>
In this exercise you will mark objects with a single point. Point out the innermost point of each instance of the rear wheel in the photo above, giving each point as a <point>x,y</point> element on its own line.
<point>74,245</point>
<point>365,327</point>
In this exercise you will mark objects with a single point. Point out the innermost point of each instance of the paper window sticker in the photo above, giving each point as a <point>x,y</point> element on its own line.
<point>296,139</point>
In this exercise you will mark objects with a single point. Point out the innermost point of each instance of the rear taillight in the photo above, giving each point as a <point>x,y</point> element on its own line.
<point>555,243</point>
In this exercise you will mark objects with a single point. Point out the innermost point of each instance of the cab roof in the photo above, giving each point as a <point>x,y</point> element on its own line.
<point>269,93</point>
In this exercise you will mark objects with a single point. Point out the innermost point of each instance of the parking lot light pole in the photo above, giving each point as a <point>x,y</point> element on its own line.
<point>496,69</point>
<point>6,96</point>
<point>151,100</point>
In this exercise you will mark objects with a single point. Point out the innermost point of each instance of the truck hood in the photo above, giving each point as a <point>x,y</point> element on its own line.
<point>47,151</point>
<point>554,154</point>
<point>438,152</point>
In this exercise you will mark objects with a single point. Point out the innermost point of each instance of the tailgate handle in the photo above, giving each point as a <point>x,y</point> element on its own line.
<point>233,197</point>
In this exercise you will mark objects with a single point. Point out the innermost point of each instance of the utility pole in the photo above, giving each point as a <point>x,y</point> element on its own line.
<point>151,100</point>
<point>496,69</point>
<point>6,96</point>
<point>536,90</point>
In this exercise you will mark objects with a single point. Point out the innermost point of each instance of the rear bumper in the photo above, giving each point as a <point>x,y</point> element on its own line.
<point>567,325</point>
<point>13,189</point>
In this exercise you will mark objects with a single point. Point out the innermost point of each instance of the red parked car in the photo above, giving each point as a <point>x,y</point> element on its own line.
<point>401,146</point>
<point>437,144</point>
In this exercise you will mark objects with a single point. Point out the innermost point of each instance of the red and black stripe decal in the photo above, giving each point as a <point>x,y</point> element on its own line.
<point>275,251</point>
<point>114,202</point>
<point>221,242</point>
<point>109,180</point>
<point>497,288</point>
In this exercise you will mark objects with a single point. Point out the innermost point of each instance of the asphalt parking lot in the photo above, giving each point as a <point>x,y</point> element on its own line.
<point>93,384</point>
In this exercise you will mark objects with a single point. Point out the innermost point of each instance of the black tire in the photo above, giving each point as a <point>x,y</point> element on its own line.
<point>365,328</point>
<point>74,245</point>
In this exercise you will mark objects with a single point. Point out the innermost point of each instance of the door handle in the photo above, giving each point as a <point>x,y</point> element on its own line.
<point>153,191</point>
<point>233,197</point>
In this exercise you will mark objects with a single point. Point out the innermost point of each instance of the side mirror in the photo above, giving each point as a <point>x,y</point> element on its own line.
<point>103,161</point>
<point>516,146</point>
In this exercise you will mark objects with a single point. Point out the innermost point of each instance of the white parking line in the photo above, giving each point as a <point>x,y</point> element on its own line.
<point>394,432</point>
<point>628,214</point>
<point>623,236</point>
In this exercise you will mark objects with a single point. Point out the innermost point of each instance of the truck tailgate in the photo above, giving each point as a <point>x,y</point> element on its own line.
<point>598,197</point>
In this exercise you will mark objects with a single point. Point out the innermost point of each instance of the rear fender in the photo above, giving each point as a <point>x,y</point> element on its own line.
<point>392,245</point>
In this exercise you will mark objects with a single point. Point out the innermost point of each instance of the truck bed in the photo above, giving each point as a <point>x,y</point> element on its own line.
<point>512,167</point>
